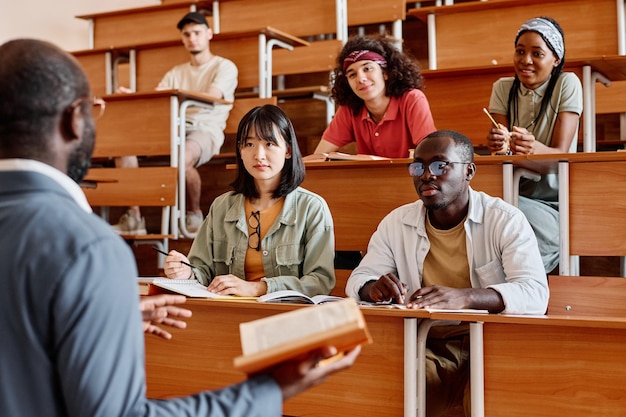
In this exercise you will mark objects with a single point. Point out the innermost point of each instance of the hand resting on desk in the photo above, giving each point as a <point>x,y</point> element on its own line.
<point>389,287</point>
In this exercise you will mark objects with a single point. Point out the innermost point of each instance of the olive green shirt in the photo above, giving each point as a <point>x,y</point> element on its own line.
<point>298,249</point>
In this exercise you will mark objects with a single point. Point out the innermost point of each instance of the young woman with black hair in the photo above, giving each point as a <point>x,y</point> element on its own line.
<point>538,111</point>
<point>268,234</point>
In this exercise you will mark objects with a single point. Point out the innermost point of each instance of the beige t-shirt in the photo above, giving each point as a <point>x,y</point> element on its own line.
<point>446,262</point>
<point>220,73</point>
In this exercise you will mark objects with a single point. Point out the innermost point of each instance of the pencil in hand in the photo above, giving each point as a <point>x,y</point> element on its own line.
<point>497,126</point>
<point>165,253</point>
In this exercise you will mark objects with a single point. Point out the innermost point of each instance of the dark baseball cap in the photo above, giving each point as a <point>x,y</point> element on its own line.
<point>192,17</point>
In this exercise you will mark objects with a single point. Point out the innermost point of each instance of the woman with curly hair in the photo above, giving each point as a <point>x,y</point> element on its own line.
<point>381,105</point>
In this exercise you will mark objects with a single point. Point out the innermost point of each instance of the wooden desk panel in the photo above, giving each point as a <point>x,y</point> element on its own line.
<point>130,126</point>
<point>155,60</point>
<point>359,195</point>
<point>597,207</point>
<point>298,18</point>
<point>139,123</point>
<point>367,12</point>
<point>319,56</point>
<point>488,177</point>
<point>457,101</point>
<point>545,371</point>
<point>95,66</point>
<point>200,357</point>
<point>586,295</point>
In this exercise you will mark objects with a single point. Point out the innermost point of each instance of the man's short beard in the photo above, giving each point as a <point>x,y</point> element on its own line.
<point>79,161</point>
<point>435,206</point>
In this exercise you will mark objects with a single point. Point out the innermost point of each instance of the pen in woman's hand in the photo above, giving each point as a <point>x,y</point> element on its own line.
<point>165,253</point>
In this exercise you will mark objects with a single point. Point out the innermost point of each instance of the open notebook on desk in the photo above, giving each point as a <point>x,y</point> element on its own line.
<point>292,296</point>
<point>188,287</point>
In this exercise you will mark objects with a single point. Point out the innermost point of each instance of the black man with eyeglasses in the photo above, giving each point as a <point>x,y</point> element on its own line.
<point>454,248</point>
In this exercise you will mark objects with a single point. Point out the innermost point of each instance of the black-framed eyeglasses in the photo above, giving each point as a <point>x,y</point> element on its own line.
<point>417,169</point>
<point>254,222</point>
<point>98,105</point>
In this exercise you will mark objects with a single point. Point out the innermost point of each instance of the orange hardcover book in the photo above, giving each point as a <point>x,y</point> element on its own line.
<point>271,340</point>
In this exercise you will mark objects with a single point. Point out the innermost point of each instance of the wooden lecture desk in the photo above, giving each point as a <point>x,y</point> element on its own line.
<point>381,382</point>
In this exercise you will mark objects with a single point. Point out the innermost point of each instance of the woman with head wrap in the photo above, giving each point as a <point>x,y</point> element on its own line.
<point>538,112</point>
<point>381,105</point>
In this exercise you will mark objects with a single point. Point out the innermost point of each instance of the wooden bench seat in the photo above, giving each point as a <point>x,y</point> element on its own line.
<point>123,187</point>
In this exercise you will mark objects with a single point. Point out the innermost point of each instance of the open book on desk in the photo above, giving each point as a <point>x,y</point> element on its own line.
<point>385,304</point>
<point>188,287</point>
<point>271,340</point>
<point>296,297</point>
<point>341,156</point>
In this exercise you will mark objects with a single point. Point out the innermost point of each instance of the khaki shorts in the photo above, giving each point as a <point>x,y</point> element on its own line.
<point>209,144</point>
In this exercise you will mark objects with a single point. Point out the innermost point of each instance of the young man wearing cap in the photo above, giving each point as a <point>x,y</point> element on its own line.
<point>205,73</point>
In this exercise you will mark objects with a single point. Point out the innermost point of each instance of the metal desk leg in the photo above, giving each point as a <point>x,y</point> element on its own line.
<point>507,182</point>
<point>410,366</point>
<point>422,336</point>
<point>432,42</point>
<point>565,261</point>
<point>477,370</point>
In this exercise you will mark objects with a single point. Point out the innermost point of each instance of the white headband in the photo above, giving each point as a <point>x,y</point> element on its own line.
<point>546,29</point>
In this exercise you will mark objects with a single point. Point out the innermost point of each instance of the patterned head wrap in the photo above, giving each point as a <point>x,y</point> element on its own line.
<point>549,32</point>
<point>363,55</point>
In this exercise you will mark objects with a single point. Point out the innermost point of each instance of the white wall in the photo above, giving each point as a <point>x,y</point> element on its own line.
<point>55,21</point>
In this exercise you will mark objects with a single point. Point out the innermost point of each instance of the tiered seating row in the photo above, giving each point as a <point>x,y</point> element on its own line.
<point>457,91</point>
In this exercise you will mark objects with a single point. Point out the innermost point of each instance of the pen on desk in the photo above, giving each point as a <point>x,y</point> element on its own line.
<point>165,253</point>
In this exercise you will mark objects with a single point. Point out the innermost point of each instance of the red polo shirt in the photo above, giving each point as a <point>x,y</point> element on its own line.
<point>406,122</point>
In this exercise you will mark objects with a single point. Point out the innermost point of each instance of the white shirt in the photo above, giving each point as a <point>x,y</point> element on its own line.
<point>502,253</point>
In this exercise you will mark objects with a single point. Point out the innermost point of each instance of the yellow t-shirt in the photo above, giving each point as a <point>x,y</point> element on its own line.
<point>446,262</point>
<point>253,265</point>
